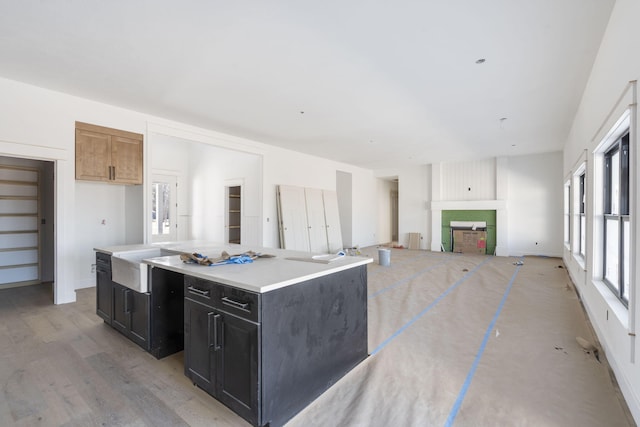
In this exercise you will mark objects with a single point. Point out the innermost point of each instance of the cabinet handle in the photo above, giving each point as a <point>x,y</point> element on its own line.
<point>125,297</point>
<point>197,291</point>
<point>236,304</point>
<point>114,172</point>
<point>213,328</point>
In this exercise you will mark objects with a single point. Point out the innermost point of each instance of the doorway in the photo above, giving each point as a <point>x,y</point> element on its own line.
<point>26,222</point>
<point>394,213</point>
<point>233,214</point>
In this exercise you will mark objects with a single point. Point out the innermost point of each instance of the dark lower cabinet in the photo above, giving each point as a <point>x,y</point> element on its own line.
<point>221,356</point>
<point>199,339</point>
<point>131,314</point>
<point>153,320</point>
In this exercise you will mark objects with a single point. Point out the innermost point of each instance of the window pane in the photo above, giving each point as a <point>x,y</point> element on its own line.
<point>583,232</point>
<point>626,230</point>
<point>615,183</point>
<point>161,199</point>
<point>567,213</point>
<point>611,268</point>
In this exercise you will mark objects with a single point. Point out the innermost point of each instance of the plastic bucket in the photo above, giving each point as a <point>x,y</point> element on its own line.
<point>384,256</point>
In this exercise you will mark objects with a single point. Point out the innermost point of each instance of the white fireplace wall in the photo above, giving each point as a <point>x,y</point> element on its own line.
<point>472,180</point>
<point>525,191</point>
<point>471,185</point>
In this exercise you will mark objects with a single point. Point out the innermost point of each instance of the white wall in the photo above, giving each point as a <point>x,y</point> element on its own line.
<point>472,180</point>
<point>617,63</point>
<point>100,221</point>
<point>40,124</point>
<point>534,207</point>
<point>211,168</point>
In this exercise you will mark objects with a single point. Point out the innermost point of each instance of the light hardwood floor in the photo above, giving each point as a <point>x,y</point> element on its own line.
<point>428,312</point>
<point>61,366</point>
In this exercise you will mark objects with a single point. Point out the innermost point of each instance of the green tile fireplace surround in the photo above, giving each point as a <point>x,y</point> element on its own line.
<point>488,216</point>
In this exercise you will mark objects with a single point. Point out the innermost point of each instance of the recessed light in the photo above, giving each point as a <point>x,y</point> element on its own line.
<point>480,61</point>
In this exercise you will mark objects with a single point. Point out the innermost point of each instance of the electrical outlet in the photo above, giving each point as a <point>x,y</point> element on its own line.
<point>93,268</point>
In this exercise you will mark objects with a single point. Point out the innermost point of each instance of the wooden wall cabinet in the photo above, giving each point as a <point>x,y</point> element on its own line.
<point>108,155</point>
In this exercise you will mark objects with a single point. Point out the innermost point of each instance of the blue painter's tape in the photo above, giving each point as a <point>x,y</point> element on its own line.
<point>429,307</point>
<point>476,361</point>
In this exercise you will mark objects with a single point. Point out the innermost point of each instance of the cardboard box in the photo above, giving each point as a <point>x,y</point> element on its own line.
<point>470,241</point>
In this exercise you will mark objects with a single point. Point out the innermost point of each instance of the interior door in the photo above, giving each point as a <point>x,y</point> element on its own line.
<point>293,218</point>
<point>19,226</point>
<point>316,225</point>
<point>164,206</point>
<point>332,220</point>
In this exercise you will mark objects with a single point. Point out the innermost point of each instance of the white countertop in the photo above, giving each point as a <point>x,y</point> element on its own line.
<point>262,275</point>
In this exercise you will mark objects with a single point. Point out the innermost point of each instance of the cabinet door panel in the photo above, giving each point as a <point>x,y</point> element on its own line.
<point>104,292</point>
<point>120,320</point>
<point>199,338</point>
<point>139,320</point>
<point>93,155</point>
<point>238,366</point>
<point>126,158</point>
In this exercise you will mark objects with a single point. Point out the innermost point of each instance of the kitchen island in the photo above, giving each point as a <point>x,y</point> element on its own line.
<point>268,337</point>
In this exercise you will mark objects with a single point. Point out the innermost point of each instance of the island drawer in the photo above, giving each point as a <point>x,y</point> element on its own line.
<point>233,300</point>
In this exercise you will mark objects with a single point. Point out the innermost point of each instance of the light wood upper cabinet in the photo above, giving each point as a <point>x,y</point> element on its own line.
<point>110,155</point>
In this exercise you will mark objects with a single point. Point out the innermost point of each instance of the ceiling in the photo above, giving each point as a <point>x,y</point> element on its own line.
<point>371,83</point>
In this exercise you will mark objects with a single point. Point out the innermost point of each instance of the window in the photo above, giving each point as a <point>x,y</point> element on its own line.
<point>163,208</point>
<point>567,213</point>
<point>616,230</point>
<point>578,209</point>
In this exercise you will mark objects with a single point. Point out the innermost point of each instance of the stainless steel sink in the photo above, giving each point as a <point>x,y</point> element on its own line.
<point>128,269</point>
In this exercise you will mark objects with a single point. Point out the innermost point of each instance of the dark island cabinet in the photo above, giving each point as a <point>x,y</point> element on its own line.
<point>221,349</point>
<point>268,355</point>
<point>131,314</point>
<point>153,320</point>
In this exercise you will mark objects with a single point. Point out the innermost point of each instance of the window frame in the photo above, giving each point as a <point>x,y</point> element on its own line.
<point>582,214</point>
<point>567,213</point>
<point>619,146</point>
<point>578,214</point>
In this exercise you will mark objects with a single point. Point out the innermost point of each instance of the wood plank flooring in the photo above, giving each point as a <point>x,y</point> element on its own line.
<point>62,366</point>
